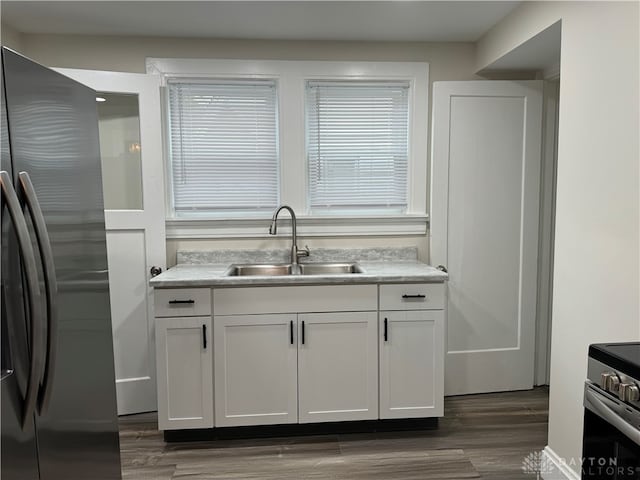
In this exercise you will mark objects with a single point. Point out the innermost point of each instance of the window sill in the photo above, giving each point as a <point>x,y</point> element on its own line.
<point>401,225</point>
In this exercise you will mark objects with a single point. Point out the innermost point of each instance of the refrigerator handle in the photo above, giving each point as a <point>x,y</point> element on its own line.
<point>51,287</point>
<point>29,265</point>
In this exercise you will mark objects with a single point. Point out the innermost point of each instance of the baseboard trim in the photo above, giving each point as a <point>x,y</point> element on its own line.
<point>560,471</point>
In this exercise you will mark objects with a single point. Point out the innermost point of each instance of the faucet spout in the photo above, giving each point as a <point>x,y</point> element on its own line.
<point>273,229</point>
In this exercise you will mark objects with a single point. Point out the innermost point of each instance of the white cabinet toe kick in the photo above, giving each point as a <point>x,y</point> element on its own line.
<point>294,355</point>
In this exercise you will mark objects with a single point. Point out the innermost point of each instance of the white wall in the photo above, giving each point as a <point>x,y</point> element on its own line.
<point>448,61</point>
<point>11,38</point>
<point>597,243</point>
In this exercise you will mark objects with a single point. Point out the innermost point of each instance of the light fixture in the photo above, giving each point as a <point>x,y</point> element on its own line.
<point>101,99</point>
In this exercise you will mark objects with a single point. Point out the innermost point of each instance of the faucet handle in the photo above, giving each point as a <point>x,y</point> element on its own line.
<point>304,252</point>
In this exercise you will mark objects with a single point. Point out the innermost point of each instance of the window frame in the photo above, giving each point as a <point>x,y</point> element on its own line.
<point>291,77</point>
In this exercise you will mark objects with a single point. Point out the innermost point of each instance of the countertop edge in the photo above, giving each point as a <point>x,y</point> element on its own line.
<point>270,281</point>
<point>214,277</point>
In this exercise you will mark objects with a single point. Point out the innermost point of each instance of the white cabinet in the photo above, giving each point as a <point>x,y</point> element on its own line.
<point>255,369</point>
<point>327,371</point>
<point>288,368</point>
<point>337,367</point>
<point>299,354</point>
<point>411,364</point>
<point>185,377</point>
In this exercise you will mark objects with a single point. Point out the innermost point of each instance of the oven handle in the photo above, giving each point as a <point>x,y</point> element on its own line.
<point>597,406</point>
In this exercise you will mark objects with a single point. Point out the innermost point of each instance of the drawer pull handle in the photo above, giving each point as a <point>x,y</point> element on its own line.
<point>414,296</point>
<point>204,336</point>
<point>180,302</point>
<point>303,332</point>
<point>291,332</point>
<point>386,330</point>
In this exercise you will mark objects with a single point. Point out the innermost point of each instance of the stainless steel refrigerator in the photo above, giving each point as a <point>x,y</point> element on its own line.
<point>58,401</point>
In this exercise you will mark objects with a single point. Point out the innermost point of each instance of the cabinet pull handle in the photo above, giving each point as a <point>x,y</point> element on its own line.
<point>177,302</point>
<point>386,330</point>
<point>303,332</point>
<point>291,332</point>
<point>414,296</point>
<point>204,336</point>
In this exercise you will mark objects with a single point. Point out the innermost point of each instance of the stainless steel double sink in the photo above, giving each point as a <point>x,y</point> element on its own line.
<point>241,270</point>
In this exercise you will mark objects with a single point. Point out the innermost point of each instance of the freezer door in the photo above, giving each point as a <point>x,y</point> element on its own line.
<point>54,137</point>
<point>18,447</point>
<point>18,451</point>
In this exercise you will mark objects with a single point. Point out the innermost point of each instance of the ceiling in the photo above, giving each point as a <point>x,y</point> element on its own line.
<point>286,20</point>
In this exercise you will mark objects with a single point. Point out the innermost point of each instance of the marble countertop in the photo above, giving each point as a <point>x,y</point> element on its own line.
<point>212,275</point>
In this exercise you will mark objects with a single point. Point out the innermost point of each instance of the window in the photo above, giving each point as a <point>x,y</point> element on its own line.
<point>357,147</point>
<point>343,143</point>
<point>224,147</point>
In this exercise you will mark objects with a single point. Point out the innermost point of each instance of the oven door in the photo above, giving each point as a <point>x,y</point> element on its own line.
<point>611,442</point>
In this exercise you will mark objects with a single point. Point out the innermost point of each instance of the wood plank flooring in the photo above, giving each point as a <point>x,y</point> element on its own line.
<point>481,436</point>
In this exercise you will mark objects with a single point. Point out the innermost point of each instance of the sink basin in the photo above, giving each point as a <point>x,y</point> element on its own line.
<point>258,269</point>
<point>330,268</point>
<point>237,270</point>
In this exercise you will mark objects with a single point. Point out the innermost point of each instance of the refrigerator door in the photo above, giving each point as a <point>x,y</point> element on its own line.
<point>54,138</point>
<point>18,450</point>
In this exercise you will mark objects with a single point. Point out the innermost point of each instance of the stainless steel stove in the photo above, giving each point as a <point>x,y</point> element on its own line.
<point>611,442</point>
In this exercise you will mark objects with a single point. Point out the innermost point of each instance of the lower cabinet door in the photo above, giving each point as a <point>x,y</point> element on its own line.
<point>411,364</point>
<point>255,369</point>
<point>337,367</point>
<point>185,372</point>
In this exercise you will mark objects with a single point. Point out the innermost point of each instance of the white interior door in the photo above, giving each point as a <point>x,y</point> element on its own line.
<point>484,228</point>
<point>133,182</point>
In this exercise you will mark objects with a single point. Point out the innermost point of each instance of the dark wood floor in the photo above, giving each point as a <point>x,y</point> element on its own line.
<point>480,436</point>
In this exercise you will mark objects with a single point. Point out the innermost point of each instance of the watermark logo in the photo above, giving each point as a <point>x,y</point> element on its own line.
<point>539,464</point>
<point>536,463</point>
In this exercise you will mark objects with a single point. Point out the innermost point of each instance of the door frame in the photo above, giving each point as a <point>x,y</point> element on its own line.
<point>152,217</point>
<point>548,174</point>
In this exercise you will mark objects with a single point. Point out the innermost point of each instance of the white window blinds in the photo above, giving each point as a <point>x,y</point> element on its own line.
<point>224,147</point>
<point>357,146</point>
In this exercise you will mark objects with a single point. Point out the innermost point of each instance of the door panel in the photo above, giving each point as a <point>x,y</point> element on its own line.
<point>485,202</point>
<point>18,449</point>
<point>411,364</point>
<point>133,184</point>
<point>337,367</point>
<point>135,380</point>
<point>256,372</point>
<point>18,445</point>
<point>485,186</point>
<point>186,365</point>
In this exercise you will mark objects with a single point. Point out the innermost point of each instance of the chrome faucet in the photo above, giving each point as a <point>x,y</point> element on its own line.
<point>273,229</point>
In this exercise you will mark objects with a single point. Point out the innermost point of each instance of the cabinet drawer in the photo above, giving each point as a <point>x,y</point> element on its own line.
<point>298,299</point>
<point>412,296</point>
<point>182,302</point>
